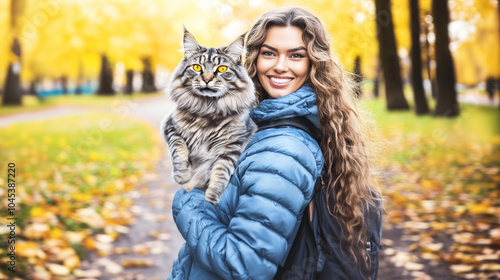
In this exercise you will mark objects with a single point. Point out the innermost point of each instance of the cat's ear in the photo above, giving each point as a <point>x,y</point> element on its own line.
<point>235,49</point>
<point>189,43</point>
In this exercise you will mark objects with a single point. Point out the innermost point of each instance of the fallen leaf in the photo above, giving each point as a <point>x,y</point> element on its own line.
<point>389,252</point>
<point>113,268</point>
<point>121,250</point>
<point>91,273</point>
<point>137,263</point>
<point>140,249</point>
<point>490,266</point>
<point>72,262</point>
<point>414,266</point>
<point>461,268</point>
<point>58,269</point>
<point>432,247</point>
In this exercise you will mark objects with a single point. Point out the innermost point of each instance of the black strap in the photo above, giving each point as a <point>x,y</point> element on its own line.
<point>297,122</point>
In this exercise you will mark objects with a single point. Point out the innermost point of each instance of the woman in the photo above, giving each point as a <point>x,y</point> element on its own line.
<point>249,234</point>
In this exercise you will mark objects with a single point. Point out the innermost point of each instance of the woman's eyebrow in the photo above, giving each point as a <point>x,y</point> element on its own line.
<point>290,50</point>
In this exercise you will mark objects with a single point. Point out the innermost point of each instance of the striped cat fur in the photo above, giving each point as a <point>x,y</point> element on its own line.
<point>210,124</point>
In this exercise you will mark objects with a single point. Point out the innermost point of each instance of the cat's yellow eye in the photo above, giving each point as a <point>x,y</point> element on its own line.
<point>197,68</point>
<point>222,69</point>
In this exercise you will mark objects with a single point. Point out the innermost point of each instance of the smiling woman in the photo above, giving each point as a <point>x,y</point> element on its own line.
<point>249,234</point>
<point>283,64</point>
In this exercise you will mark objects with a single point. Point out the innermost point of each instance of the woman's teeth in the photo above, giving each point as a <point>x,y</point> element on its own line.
<point>280,81</point>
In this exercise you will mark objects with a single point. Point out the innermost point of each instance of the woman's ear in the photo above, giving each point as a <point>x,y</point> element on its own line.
<point>235,49</point>
<point>189,43</point>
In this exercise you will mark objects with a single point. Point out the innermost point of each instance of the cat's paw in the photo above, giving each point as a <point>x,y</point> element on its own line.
<point>190,185</point>
<point>182,173</point>
<point>213,196</point>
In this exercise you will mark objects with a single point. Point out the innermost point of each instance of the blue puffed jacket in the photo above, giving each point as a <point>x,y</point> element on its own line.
<point>251,230</point>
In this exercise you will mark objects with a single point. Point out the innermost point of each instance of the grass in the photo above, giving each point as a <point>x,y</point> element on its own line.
<point>433,146</point>
<point>441,181</point>
<point>31,103</point>
<point>73,178</point>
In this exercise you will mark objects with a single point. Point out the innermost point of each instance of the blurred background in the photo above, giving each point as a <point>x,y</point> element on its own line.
<point>82,94</point>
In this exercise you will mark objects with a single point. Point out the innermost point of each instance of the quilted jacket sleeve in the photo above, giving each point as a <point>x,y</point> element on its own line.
<point>275,181</point>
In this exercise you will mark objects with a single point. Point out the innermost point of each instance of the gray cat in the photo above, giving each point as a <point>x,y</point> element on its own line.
<point>210,125</point>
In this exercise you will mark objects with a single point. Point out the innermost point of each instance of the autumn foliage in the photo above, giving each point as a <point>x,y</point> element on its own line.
<point>75,179</point>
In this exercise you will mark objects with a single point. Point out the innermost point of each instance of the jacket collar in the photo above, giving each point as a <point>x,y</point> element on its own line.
<point>299,103</point>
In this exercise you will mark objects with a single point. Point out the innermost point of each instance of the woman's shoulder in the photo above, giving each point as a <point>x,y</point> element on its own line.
<point>282,144</point>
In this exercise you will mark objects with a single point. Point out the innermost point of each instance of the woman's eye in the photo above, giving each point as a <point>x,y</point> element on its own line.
<point>197,68</point>
<point>297,55</point>
<point>266,53</point>
<point>222,69</point>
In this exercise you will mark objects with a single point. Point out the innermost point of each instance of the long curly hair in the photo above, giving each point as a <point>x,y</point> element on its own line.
<point>342,142</point>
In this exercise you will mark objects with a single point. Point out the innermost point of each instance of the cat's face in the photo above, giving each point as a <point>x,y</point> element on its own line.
<point>212,72</point>
<point>212,81</point>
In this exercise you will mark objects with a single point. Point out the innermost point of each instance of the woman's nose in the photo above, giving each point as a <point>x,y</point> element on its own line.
<point>281,65</point>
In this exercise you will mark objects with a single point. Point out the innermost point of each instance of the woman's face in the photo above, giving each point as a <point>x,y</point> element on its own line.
<point>282,64</point>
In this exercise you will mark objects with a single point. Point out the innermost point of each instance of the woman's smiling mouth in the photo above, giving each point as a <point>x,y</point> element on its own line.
<point>279,81</point>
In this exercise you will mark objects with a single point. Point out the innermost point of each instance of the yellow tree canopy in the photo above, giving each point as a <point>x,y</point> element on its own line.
<point>4,38</point>
<point>67,37</point>
<point>476,44</point>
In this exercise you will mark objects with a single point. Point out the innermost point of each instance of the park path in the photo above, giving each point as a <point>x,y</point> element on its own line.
<point>153,238</point>
<point>56,112</point>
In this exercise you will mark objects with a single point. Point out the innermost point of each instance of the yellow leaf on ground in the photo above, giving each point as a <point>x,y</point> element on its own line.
<point>58,269</point>
<point>432,247</point>
<point>490,257</point>
<point>414,266</point>
<point>88,274</point>
<point>89,243</point>
<point>461,268</point>
<point>490,266</point>
<point>37,231</point>
<point>72,262</point>
<point>479,208</point>
<point>140,249</point>
<point>37,212</point>
<point>389,252</point>
<point>137,263</point>
<point>28,249</point>
<point>121,250</point>
<point>113,268</point>
<point>56,233</point>
<point>65,253</point>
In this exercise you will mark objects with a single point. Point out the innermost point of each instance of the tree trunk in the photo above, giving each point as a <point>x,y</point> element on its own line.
<point>358,77</point>
<point>79,80</point>
<point>447,105</point>
<point>376,86</point>
<point>105,78</point>
<point>33,90</point>
<point>78,89</point>
<point>12,95</point>
<point>148,77</point>
<point>64,85</point>
<point>421,106</point>
<point>490,87</point>
<point>428,57</point>
<point>389,57</point>
<point>376,81</point>
<point>129,87</point>
<point>12,90</point>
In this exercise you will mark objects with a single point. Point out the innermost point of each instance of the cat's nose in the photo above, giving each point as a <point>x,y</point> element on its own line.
<point>206,81</point>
